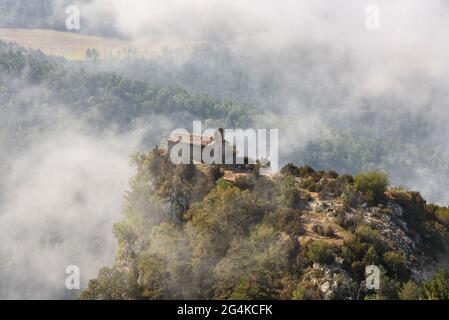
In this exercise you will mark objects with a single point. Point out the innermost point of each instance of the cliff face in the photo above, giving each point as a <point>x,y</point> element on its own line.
<point>301,234</point>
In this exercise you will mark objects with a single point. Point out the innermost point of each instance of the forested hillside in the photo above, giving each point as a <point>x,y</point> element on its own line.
<point>91,92</point>
<point>312,92</point>
<point>45,98</point>
<point>34,86</point>
<point>186,233</point>
<point>65,139</point>
<point>119,93</point>
<point>105,97</point>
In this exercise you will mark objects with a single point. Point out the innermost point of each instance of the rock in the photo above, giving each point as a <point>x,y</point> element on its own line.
<point>339,260</point>
<point>332,281</point>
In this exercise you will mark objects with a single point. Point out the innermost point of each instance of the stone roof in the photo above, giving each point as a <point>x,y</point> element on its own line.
<point>191,139</point>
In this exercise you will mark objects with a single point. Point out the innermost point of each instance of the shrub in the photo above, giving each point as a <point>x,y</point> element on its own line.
<point>327,187</point>
<point>255,286</point>
<point>286,220</point>
<point>395,264</point>
<point>372,185</point>
<point>399,195</point>
<point>434,235</point>
<point>306,171</point>
<point>124,231</point>
<point>288,193</point>
<point>223,184</point>
<point>319,251</point>
<point>443,215</point>
<point>347,223</point>
<point>214,172</point>
<point>350,196</point>
<point>111,284</point>
<point>332,174</point>
<point>389,289</point>
<point>438,287</point>
<point>325,231</point>
<point>244,182</point>
<point>344,179</point>
<point>371,257</point>
<point>306,291</point>
<point>185,171</point>
<point>369,235</point>
<point>291,169</point>
<point>409,291</point>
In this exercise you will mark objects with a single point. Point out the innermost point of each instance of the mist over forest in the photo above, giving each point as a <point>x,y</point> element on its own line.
<point>344,98</point>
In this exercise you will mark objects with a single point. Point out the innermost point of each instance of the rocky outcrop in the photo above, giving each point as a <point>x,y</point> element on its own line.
<point>332,281</point>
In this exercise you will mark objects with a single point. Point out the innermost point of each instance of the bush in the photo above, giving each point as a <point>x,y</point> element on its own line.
<point>255,286</point>
<point>215,172</point>
<point>443,215</point>
<point>244,182</point>
<point>344,180</point>
<point>349,224</point>
<point>350,196</point>
<point>224,184</point>
<point>332,174</point>
<point>306,171</point>
<point>434,236</point>
<point>288,193</point>
<point>185,171</point>
<point>291,169</point>
<point>306,291</point>
<point>319,251</point>
<point>286,220</point>
<point>399,195</point>
<point>389,289</point>
<point>437,288</point>
<point>368,235</point>
<point>111,284</point>
<point>371,257</point>
<point>395,264</point>
<point>328,188</point>
<point>409,291</point>
<point>372,185</point>
<point>325,231</point>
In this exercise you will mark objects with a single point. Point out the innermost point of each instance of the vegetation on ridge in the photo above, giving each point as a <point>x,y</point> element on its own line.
<point>187,233</point>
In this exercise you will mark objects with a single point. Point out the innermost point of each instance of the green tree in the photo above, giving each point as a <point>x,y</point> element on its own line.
<point>288,193</point>
<point>111,284</point>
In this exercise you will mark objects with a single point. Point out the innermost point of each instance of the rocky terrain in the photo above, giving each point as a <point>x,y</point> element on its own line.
<point>202,232</point>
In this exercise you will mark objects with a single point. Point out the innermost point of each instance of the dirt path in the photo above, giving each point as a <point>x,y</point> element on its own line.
<point>313,218</point>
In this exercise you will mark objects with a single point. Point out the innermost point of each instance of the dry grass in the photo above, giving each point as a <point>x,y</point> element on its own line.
<point>73,46</point>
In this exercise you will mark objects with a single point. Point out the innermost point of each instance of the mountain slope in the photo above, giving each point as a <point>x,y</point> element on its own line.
<point>187,233</point>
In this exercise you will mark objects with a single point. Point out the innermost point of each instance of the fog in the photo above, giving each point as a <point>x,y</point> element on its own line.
<point>322,66</point>
<point>60,196</point>
<point>64,189</point>
<point>63,195</point>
